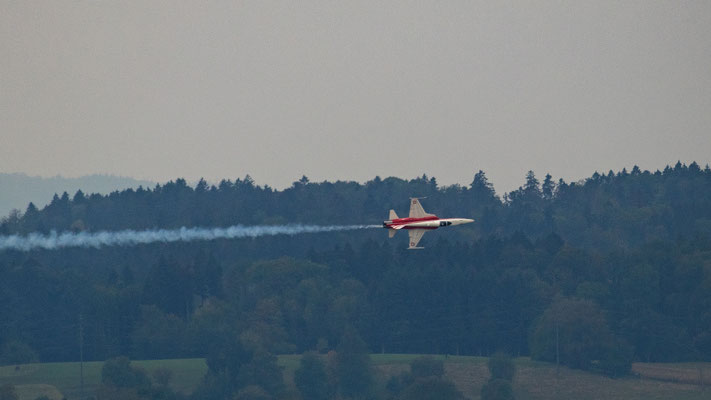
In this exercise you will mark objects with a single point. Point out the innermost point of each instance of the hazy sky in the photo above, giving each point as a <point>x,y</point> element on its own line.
<point>353,89</point>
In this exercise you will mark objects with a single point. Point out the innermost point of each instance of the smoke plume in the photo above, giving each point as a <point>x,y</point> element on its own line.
<point>130,237</point>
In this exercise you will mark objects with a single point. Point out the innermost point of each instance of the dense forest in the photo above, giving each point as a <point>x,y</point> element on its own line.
<point>616,267</point>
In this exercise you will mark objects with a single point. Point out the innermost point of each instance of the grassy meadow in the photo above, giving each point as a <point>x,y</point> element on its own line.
<point>65,377</point>
<point>534,380</point>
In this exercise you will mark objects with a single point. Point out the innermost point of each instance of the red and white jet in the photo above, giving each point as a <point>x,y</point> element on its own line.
<point>418,222</point>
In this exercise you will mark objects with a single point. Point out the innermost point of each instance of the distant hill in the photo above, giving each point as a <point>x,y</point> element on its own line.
<point>17,190</point>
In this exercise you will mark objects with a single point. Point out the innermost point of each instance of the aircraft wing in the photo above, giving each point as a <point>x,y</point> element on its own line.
<point>416,210</point>
<point>415,236</point>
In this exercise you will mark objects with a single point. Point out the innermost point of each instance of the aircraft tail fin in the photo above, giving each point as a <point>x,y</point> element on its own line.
<point>391,233</point>
<point>392,215</point>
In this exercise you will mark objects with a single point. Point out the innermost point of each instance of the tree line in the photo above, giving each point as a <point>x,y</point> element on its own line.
<point>605,211</point>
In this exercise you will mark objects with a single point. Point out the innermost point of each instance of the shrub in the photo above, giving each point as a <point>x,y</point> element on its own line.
<point>497,389</point>
<point>431,388</point>
<point>501,366</point>
<point>16,352</point>
<point>7,392</point>
<point>422,367</point>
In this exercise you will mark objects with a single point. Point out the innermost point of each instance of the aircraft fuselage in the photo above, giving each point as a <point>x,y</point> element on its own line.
<point>431,222</point>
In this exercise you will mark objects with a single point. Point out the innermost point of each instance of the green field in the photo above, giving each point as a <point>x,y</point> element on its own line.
<point>533,380</point>
<point>66,376</point>
<point>537,380</point>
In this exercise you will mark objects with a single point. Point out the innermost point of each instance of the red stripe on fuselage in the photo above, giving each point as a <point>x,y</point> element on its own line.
<point>400,221</point>
<point>407,221</point>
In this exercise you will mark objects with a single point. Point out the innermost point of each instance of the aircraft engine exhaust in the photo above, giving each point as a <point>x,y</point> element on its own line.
<point>131,237</point>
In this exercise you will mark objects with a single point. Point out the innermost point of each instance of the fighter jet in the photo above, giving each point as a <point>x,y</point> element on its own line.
<point>418,222</point>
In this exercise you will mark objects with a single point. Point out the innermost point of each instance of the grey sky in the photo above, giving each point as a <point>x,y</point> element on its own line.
<point>352,89</point>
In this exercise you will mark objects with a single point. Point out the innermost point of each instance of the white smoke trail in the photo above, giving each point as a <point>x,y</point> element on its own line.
<point>131,237</point>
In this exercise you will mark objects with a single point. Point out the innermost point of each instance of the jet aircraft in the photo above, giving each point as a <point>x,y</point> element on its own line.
<point>418,222</point>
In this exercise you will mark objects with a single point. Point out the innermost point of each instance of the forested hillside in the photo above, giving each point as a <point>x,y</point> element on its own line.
<point>617,266</point>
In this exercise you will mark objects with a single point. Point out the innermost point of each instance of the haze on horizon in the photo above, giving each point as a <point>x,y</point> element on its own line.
<point>351,90</point>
